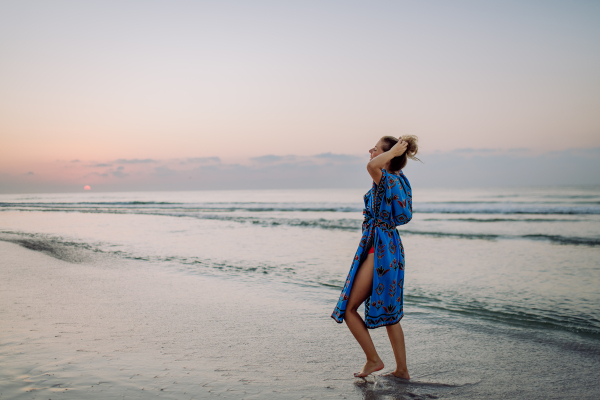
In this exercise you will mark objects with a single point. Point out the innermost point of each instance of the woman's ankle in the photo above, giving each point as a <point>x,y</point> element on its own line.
<point>374,360</point>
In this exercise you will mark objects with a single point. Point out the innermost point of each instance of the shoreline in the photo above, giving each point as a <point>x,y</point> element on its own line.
<point>106,327</point>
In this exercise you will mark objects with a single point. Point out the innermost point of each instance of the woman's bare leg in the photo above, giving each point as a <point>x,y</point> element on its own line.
<point>396,336</point>
<point>361,289</point>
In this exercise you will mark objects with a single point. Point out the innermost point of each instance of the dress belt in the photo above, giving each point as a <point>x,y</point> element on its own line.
<point>379,224</point>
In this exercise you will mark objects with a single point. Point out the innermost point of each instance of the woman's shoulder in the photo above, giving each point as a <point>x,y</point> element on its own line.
<point>404,180</point>
<point>395,180</point>
<point>392,176</point>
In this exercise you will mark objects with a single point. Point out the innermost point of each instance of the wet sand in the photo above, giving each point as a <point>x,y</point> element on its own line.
<point>99,327</point>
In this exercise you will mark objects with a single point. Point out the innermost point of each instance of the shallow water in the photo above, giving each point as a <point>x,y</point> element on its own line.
<point>522,256</point>
<point>514,266</point>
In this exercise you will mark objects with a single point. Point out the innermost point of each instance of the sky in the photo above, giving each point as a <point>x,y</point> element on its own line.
<point>161,95</point>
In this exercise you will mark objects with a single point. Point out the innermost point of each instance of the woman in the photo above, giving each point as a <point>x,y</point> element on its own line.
<point>377,273</point>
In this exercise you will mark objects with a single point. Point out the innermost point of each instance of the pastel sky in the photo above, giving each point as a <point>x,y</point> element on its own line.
<point>171,81</point>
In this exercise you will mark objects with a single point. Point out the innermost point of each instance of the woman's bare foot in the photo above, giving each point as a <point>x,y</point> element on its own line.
<point>399,374</point>
<point>369,368</point>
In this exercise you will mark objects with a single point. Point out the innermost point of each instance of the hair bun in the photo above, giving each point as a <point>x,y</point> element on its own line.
<point>413,146</point>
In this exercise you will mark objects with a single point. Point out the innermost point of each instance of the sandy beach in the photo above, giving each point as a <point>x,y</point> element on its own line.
<point>93,326</point>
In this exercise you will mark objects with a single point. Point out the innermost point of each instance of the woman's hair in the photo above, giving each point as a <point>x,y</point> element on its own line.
<point>399,162</point>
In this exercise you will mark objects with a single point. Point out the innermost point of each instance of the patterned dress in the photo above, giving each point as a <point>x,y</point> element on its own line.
<point>387,205</point>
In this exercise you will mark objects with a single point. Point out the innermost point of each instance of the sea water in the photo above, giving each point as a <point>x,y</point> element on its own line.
<point>523,258</point>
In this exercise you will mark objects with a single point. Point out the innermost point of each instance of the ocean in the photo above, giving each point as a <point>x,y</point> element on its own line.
<point>518,260</point>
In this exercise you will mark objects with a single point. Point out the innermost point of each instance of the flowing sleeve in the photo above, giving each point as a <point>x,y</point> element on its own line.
<point>397,197</point>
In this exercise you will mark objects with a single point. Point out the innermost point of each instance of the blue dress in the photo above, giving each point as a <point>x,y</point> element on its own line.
<point>387,205</point>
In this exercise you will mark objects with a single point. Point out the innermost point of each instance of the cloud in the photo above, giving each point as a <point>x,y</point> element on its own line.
<point>135,161</point>
<point>507,168</point>
<point>490,152</point>
<point>29,173</point>
<point>91,174</point>
<point>470,150</point>
<point>593,152</point>
<point>202,160</point>
<point>75,161</point>
<point>293,160</point>
<point>100,165</point>
<point>457,169</point>
<point>119,172</point>
<point>267,159</point>
<point>339,157</point>
<point>164,171</point>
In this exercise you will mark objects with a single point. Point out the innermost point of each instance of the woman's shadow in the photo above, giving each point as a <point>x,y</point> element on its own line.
<point>382,387</point>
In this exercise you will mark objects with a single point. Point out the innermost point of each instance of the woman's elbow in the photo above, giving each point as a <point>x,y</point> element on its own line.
<point>375,172</point>
<point>371,167</point>
<point>404,217</point>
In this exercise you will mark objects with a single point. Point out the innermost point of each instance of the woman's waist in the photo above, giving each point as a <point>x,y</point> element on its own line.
<point>378,223</point>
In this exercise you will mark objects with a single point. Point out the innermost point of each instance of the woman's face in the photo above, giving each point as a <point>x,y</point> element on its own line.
<point>377,150</point>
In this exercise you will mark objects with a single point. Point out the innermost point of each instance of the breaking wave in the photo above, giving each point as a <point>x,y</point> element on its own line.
<point>473,207</point>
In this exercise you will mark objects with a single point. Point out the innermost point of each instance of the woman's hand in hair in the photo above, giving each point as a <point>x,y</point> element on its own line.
<point>399,148</point>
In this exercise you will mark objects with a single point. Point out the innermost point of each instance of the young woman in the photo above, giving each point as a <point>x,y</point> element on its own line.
<point>377,273</point>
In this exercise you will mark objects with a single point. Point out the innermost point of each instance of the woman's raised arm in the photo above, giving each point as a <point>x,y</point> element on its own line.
<point>381,161</point>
